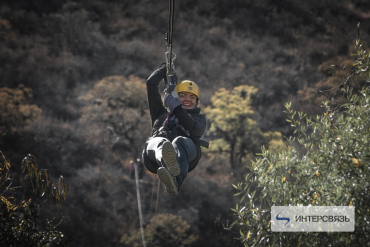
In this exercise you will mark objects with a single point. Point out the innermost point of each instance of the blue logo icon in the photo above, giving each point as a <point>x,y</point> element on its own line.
<point>287,219</point>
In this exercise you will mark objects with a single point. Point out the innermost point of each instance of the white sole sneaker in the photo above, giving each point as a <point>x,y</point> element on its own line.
<point>168,180</point>
<point>169,156</point>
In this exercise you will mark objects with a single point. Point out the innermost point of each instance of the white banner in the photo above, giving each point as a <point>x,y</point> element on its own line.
<point>312,219</point>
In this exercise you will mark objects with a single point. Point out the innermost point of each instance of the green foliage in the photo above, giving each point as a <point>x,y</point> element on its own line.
<point>237,134</point>
<point>165,230</point>
<point>19,218</point>
<point>331,168</point>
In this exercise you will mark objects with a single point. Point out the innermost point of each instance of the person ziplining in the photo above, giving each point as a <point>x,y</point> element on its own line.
<point>173,150</point>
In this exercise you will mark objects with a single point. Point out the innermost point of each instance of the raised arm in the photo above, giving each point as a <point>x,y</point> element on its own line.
<point>156,107</point>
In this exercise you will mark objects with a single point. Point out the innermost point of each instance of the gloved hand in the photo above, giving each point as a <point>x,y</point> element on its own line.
<point>172,79</point>
<point>168,91</point>
<point>171,102</point>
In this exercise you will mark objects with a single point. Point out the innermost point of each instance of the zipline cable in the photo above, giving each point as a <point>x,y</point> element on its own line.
<point>171,77</point>
<point>170,56</point>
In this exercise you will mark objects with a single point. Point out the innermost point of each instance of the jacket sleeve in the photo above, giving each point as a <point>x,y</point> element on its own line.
<point>155,103</point>
<point>196,125</point>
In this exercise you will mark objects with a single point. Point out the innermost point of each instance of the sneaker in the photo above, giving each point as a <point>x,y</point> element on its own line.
<point>168,180</point>
<point>169,157</point>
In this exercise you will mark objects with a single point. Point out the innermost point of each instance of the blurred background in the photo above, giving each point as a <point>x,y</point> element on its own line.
<point>72,93</point>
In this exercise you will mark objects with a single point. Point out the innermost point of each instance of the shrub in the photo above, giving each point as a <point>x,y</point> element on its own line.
<point>329,167</point>
<point>162,231</point>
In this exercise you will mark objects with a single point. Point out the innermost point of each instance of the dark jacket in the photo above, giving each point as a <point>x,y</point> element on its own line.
<point>192,121</point>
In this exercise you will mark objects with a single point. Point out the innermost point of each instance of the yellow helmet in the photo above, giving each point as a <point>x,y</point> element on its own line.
<point>188,86</point>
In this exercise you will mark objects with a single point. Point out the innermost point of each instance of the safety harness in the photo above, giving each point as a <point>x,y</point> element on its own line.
<point>170,129</point>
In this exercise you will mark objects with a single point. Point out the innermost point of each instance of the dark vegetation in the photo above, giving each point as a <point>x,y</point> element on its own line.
<point>21,219</point>
<point>68,69</point>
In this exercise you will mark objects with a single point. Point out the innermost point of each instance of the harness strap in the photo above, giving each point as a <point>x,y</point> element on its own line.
<point>171,132</point>
<point>201,142</point>
<point>171,128</point>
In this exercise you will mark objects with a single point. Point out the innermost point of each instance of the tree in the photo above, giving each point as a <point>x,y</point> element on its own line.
<point>20,223</point>
<point>329,167</point>
<point>16,110</point>
<point>235,132</point>
<point>6,35</point>
<point>120,106</point>
<point>164,230</point>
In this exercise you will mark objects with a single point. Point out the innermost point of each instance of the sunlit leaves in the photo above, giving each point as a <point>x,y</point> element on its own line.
<point>237,135</point>
<point>41,181</point>
<point>231,109</point>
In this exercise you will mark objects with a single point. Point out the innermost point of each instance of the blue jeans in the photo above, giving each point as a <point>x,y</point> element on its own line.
<point>184,147</point>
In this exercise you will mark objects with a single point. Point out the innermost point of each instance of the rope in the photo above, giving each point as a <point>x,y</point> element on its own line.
<point>139,205</point>
<point>151,197</point>
<point>155,214</point>
<point>156,205</point>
